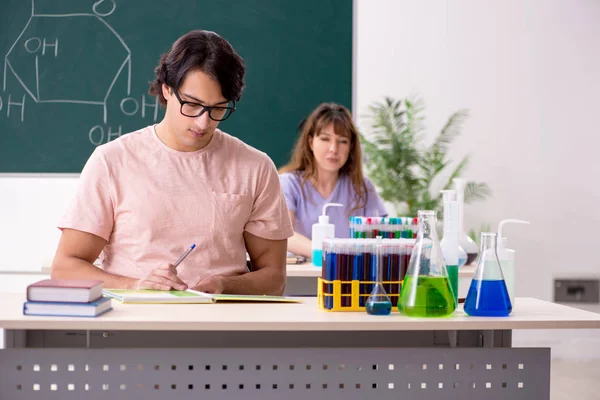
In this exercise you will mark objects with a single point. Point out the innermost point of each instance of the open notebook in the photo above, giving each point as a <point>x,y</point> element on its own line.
<point>186,297</point>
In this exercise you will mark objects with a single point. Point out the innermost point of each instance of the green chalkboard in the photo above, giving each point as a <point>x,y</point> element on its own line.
<point>75,73</point>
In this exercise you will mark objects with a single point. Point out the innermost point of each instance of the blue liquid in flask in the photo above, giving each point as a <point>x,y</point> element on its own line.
<point>488,298</point>
<point>379,307</point>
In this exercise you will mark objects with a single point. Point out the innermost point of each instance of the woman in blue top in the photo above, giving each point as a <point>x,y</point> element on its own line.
<point>326,167</point>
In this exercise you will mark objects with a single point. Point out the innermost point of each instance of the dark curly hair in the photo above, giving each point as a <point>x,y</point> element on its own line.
<point>206,51</point>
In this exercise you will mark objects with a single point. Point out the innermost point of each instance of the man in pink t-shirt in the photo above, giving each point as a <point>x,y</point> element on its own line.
<point>145,197</point>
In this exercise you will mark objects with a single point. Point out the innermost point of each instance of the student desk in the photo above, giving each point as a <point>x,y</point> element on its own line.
<point>275,351</point>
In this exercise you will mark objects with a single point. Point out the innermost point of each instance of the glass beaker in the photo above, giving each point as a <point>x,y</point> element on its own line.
<point>488,296</point>
<point>426,291</point>
<point>379,302</point>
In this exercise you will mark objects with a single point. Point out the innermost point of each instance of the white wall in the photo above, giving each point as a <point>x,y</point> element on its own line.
<point>30,207</point>
<point>530,74</point>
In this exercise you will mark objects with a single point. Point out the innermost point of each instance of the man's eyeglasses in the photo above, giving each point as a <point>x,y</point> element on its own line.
<point>216,113</point>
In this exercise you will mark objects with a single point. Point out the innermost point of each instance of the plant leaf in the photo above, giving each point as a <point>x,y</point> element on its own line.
<point>476,191</point>
<point>450,131</point>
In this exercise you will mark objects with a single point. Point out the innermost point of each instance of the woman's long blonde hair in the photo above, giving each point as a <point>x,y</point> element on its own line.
<point>303,159</point>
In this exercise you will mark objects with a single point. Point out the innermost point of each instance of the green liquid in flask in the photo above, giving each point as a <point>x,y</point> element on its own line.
<point>433,298</point>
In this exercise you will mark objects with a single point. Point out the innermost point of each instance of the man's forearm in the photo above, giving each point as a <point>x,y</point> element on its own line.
<point>76,268</point>
<point>263,281</point>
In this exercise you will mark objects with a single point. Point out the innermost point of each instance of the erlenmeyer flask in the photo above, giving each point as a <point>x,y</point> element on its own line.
<point>426,291</point>
<point>379,302</point>
<point>488,296</point>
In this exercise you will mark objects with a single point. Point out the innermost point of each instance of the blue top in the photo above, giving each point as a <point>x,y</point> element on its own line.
<point>307,208</point>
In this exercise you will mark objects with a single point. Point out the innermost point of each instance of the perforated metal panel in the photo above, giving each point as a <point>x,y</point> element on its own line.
<point>341,373</point>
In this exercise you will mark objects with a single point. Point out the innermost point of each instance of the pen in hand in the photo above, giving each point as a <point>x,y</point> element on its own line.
<point>184,255</point>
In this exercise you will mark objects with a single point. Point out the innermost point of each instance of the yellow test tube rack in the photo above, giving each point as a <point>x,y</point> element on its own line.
<point>355,295</point>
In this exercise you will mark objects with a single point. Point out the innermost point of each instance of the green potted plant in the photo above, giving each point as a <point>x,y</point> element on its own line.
<point>402,167</point>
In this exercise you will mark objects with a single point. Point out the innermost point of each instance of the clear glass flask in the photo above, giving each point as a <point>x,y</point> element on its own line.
<point>426,291</point>
<point>488,296</point>
<point>379,302</point>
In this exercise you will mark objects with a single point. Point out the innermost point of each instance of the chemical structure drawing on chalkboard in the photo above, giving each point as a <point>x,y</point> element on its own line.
<point>44,62</point>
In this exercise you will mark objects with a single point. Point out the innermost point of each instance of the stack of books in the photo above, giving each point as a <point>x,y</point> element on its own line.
<point>66,298</point>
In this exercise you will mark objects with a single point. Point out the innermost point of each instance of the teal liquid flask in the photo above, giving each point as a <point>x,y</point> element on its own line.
<point>379,302</point>
<point>488,296</point>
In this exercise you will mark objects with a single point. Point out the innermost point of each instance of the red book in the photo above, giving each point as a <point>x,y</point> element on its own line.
<point>62,290</point>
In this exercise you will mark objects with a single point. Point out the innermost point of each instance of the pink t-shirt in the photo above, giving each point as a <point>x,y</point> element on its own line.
<point>150,203</point>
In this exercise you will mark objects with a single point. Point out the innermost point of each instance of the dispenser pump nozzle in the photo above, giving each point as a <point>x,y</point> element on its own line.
<point>324,218</point>
<point>501,241</point>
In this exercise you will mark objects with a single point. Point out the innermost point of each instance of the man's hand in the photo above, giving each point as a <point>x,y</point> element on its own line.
<point>162,278</point>
<point>210,284</point>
